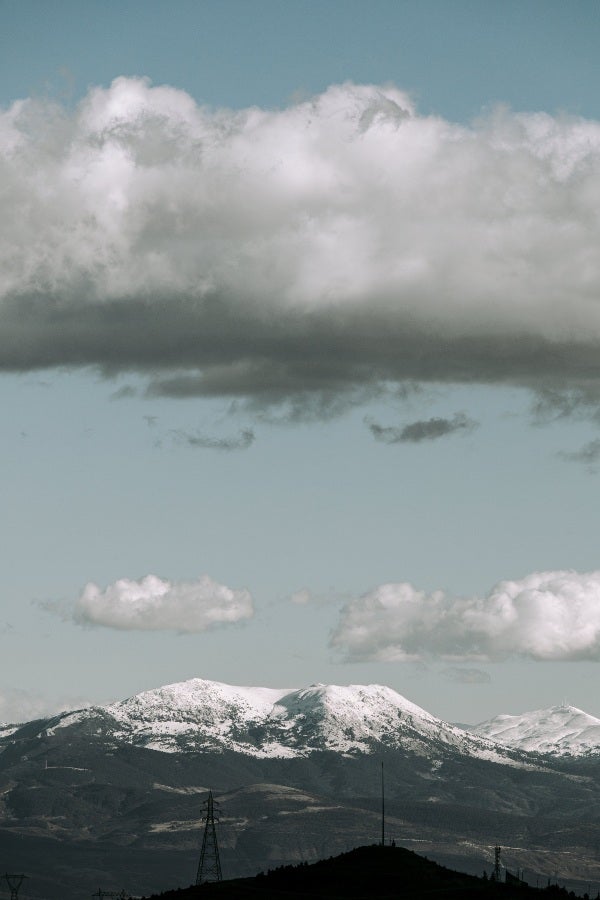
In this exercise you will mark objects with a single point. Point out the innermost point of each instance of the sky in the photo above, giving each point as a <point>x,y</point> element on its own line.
<point>299,342</point>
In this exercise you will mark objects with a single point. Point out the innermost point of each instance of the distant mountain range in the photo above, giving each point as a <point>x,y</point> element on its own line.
<point>208,716</point>
<point>111,796</point>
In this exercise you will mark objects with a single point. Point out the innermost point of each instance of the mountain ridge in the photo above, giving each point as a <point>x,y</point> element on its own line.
<point>199,714</point>
<point>363,873</point>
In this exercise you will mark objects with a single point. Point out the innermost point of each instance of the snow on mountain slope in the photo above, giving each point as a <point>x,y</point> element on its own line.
<point>6,730</point>
<point>349,718</point>
<point>563,730</point>
<point>200,715</point>
<point>211,714</point>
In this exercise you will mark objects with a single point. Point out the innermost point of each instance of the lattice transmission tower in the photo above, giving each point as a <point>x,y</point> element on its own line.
<point>209,867</point>
<point>14,882</point>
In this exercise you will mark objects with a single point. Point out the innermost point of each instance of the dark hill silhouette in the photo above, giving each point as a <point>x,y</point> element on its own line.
<point>366,873</point>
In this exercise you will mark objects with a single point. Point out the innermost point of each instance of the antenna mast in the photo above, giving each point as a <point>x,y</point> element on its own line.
<point>209,867</point>
<point>382,810</point>
<point>497,873</point>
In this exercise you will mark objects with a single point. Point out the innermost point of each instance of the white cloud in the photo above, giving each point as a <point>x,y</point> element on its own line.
<point>330,247</point>
<point>302,597</point>
<point>153,604</point>
<point>545,616</point>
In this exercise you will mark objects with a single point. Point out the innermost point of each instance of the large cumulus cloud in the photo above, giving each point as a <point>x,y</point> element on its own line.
<point>323,249</point>
<point>545,616</point>
<point>155,604</point>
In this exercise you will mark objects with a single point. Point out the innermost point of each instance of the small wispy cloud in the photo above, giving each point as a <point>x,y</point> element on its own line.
<point>242,441</point>
<point>588,455</point>
<point>317,599</point>
<point>124,393</point>
<point>421,430</point>
<point>552,404</point>
<point>466,676</point>
<point>18,705</point>
<point>155,604</point>
<point>301,598</point>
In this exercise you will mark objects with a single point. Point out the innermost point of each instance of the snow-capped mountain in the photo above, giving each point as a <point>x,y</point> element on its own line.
<point>563,730</point>
<point>296,772</point>
<point>199,715</point>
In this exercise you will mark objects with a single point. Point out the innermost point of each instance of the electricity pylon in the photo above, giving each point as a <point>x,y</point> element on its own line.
<point>14,882</point>
<point>209,867</point>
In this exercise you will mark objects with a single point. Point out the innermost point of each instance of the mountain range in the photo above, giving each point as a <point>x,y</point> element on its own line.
<point>208,716</point>
<point>201,715</point>
<point>111,796</point>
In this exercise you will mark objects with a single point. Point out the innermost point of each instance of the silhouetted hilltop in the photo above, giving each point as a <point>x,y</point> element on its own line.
<point>367,873</point>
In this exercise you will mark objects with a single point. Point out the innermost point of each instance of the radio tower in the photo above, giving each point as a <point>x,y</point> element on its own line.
<point>382,810</point>
<point>209,867</point>
<point>497,872</point>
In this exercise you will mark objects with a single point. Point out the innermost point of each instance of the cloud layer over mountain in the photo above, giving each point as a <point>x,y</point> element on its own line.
<point>324,249</point>
<point>545,616</point>
<point>154,604</point>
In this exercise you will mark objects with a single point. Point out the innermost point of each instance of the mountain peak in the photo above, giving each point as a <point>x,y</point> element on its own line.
<point>561,729</point>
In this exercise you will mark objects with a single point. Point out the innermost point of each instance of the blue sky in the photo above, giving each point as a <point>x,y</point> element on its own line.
<point>290,473</point>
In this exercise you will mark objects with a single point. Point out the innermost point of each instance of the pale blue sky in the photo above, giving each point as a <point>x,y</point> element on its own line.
<point>91,490</point>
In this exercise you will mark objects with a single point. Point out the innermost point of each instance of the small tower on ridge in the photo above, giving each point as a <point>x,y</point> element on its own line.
<point>497,869</point>
<point>209,867</point>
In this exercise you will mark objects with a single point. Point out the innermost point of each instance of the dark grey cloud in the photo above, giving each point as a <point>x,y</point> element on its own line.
<point>424,430</point>
<point>243,441</point>
<point>466,676</point>
<point>124,393</point>
<point>588,455</point>
<point>310,256</point>
<point>552,404</point>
